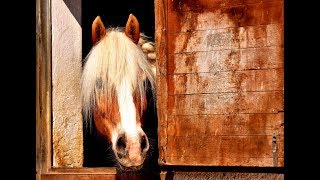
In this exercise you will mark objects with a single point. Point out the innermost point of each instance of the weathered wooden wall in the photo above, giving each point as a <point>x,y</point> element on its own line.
<point>67,140</point>
<point>220,82</point>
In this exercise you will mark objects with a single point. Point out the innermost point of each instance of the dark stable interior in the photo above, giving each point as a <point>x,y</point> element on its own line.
<point>97,151</point>
<point>115,14</point>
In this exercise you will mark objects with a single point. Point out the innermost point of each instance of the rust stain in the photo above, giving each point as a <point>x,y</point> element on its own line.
<point>244,15</point>
<point>181,5</point>
<point>235,14</point>
<point>235,78</point>
<point>204,83</point>
<point>257,122</point>
<point>59,149</point>
<point>190,61</point>
<point>178,7</point>
<point>171,104</point>
<point>233,60</point>
<point>272,12</point>
<point>257,145</point>
<point>230,122</point>
<point>182,84</point>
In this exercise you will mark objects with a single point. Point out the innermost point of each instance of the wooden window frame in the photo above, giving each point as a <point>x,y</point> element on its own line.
<point>44,140</point>
<point>44,169</point>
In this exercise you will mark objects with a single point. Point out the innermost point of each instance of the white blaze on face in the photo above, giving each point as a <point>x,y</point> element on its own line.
<point>127,109</point>
<point>130,128</point>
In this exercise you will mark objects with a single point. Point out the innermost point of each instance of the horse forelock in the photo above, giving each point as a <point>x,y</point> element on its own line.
<point>112,63</point>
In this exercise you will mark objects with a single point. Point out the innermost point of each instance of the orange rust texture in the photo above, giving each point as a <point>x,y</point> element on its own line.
<point>222,77</point>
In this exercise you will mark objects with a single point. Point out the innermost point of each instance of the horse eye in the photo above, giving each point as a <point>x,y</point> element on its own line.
<point>103,114</point>
<point>99,83</point>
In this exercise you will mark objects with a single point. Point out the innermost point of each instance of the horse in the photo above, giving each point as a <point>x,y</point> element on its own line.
<point>115,83</point>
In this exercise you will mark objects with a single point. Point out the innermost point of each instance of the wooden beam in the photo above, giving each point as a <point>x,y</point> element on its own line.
<point>43,87</point>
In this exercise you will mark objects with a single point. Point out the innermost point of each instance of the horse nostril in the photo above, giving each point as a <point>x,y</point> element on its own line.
<point>144,143</point>
<point>121,143</point>
<point>121,146</point>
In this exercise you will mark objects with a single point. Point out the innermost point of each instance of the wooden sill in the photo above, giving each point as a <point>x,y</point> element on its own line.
<point>83,170</point>
<point>105,173</point>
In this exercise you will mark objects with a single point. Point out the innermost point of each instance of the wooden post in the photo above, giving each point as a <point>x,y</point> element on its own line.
<point>43,87</point>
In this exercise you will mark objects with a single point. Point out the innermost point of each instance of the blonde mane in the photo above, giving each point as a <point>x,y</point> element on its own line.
<point>113,60</point>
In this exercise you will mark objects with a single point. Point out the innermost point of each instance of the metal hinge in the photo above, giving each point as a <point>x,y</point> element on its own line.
<point>274,150</point>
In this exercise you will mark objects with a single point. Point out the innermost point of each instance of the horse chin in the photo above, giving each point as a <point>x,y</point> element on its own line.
<point>131,168</point>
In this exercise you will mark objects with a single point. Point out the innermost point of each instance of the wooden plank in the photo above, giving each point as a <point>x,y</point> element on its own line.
<point>162,93</point>
<point>222,175</point>
<point>97,177</point>
<point>96,170</point>
<point>226,81</point>
<point>219,125</point>
<point>76,177</point>
<point>227,60</point>
<point>93,173</point>
<point>226,38</point>
<point>181,6</point>
<point>237,15</point>
<point>226,103</point>
<point>222,150</point>
<point>258,1</point>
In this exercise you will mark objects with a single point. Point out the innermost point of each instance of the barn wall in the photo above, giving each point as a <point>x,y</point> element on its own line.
<point>66,71</point>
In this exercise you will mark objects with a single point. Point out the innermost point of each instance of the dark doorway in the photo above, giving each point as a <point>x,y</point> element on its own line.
<point>115,14</point>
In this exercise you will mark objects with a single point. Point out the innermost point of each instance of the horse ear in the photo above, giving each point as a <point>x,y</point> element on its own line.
<point>98,30</point>
<point>133,29</point>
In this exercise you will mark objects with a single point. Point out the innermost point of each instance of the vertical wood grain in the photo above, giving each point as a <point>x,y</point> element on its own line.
<point>43,87</point>
<point>162,92</point>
